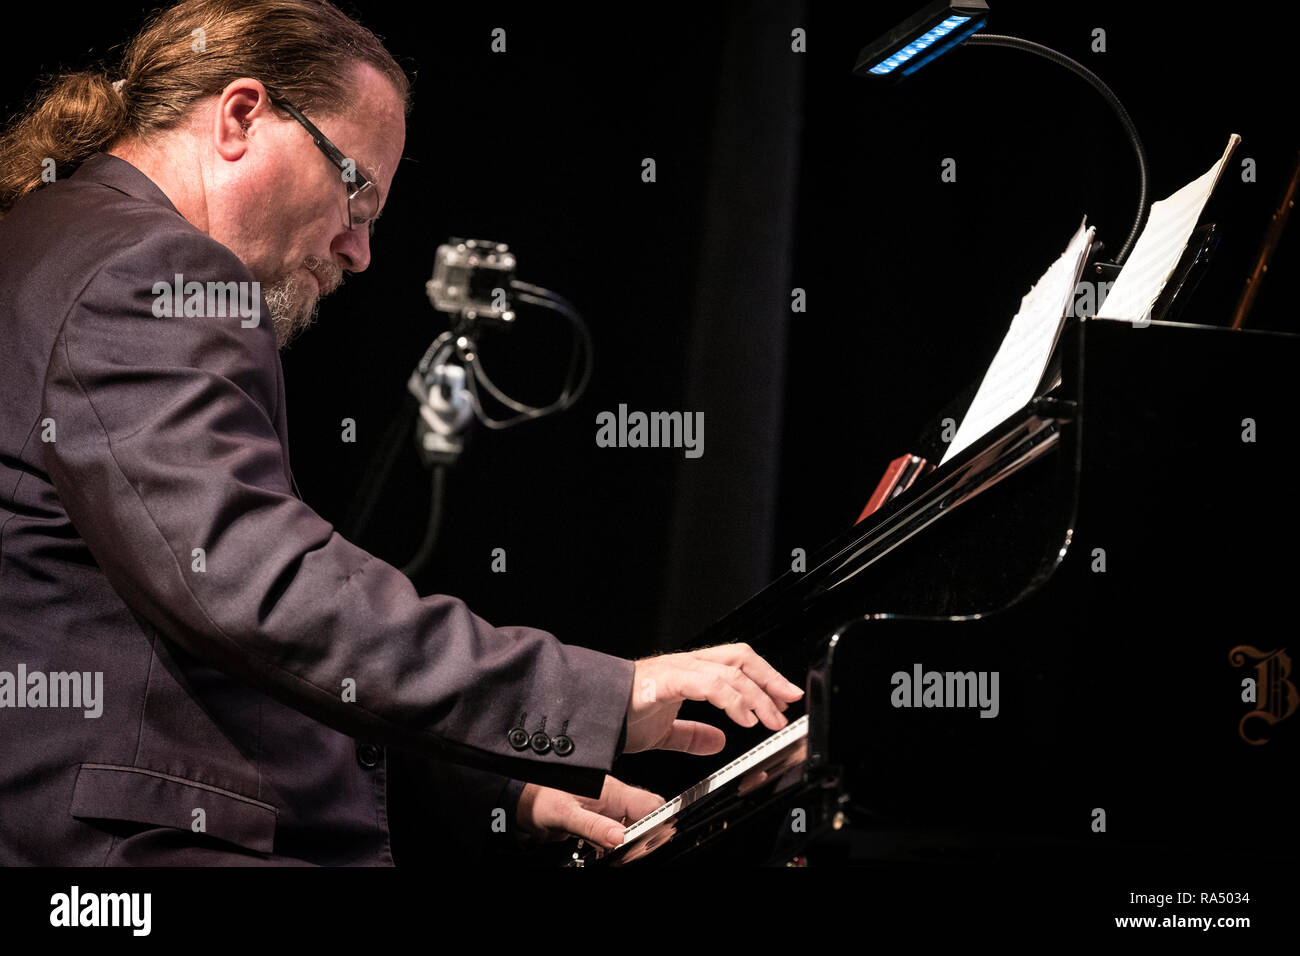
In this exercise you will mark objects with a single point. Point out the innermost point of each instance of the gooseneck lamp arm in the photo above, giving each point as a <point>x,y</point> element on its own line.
<point>1029,46</point>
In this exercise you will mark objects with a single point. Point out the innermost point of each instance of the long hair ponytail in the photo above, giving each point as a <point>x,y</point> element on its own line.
<point>72,117</point>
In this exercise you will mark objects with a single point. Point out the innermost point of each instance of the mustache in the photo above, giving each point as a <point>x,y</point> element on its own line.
<point>329,273</point>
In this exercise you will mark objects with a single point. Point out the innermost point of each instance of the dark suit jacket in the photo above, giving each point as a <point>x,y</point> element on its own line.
<point>225,688</point>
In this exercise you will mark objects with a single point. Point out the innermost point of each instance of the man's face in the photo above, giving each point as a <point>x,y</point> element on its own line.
<point>290,208</point>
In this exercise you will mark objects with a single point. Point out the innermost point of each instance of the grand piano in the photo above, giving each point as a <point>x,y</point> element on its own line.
<point>1070,641</point>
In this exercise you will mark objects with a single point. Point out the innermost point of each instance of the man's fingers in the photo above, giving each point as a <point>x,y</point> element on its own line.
<point>701,682</point>
<point>755,697</point>
<point>730,689</point>
<point>693,737</point>
<point>758,669</point>
<point>592,826</point>
<point>731,677</point>
<point>627,802</point>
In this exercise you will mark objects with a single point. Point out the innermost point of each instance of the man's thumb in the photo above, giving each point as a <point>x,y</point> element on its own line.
<point>596,828</point>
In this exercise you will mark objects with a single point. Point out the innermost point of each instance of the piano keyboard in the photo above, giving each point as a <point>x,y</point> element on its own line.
<point>787,736</point>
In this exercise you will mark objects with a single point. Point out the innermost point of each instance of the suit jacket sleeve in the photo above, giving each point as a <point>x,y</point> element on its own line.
<point>170,457</point>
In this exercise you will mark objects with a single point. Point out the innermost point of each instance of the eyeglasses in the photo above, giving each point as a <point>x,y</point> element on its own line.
<point>363,201</point>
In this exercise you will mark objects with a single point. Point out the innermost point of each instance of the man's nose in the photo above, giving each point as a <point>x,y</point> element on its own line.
<point>353,247</point>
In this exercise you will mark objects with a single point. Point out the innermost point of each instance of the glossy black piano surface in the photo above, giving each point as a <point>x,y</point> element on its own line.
<point>1120,691</point>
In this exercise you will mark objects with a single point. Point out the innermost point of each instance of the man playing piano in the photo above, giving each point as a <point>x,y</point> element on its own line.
<point>194,667</point>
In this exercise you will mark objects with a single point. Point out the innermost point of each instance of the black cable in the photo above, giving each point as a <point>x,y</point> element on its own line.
<point>569,394</point>
<point>372,486</point>
<point>1078,69</point>
<point>421,556</point>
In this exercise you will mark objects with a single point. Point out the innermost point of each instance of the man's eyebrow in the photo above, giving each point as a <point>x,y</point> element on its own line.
<point>383,197</point>
<point>361,170</point>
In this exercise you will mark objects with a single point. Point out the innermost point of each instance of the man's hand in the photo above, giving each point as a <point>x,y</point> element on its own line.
<point>547,814</point>
<point>731,677</point>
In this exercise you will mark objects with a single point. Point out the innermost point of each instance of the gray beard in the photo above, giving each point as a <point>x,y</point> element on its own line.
<point>290,314</point>
<point>288,298</point>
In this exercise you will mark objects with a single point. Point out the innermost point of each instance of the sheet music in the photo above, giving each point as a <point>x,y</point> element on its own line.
<point>1022,359</point>
<point>1160,246</point>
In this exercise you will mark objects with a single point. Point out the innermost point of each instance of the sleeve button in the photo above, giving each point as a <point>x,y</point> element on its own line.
<point>541,743</point>
<point>563,745</point>
<point>518,738</point>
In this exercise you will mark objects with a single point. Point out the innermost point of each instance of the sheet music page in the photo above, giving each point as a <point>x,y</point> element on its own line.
<point>1160,246</point>
<point>1022,359</point>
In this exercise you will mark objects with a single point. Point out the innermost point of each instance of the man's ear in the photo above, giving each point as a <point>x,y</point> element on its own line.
<point>241,105</point>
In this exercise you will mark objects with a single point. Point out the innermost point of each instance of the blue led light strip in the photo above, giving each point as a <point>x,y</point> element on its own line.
<point>890,63</point>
